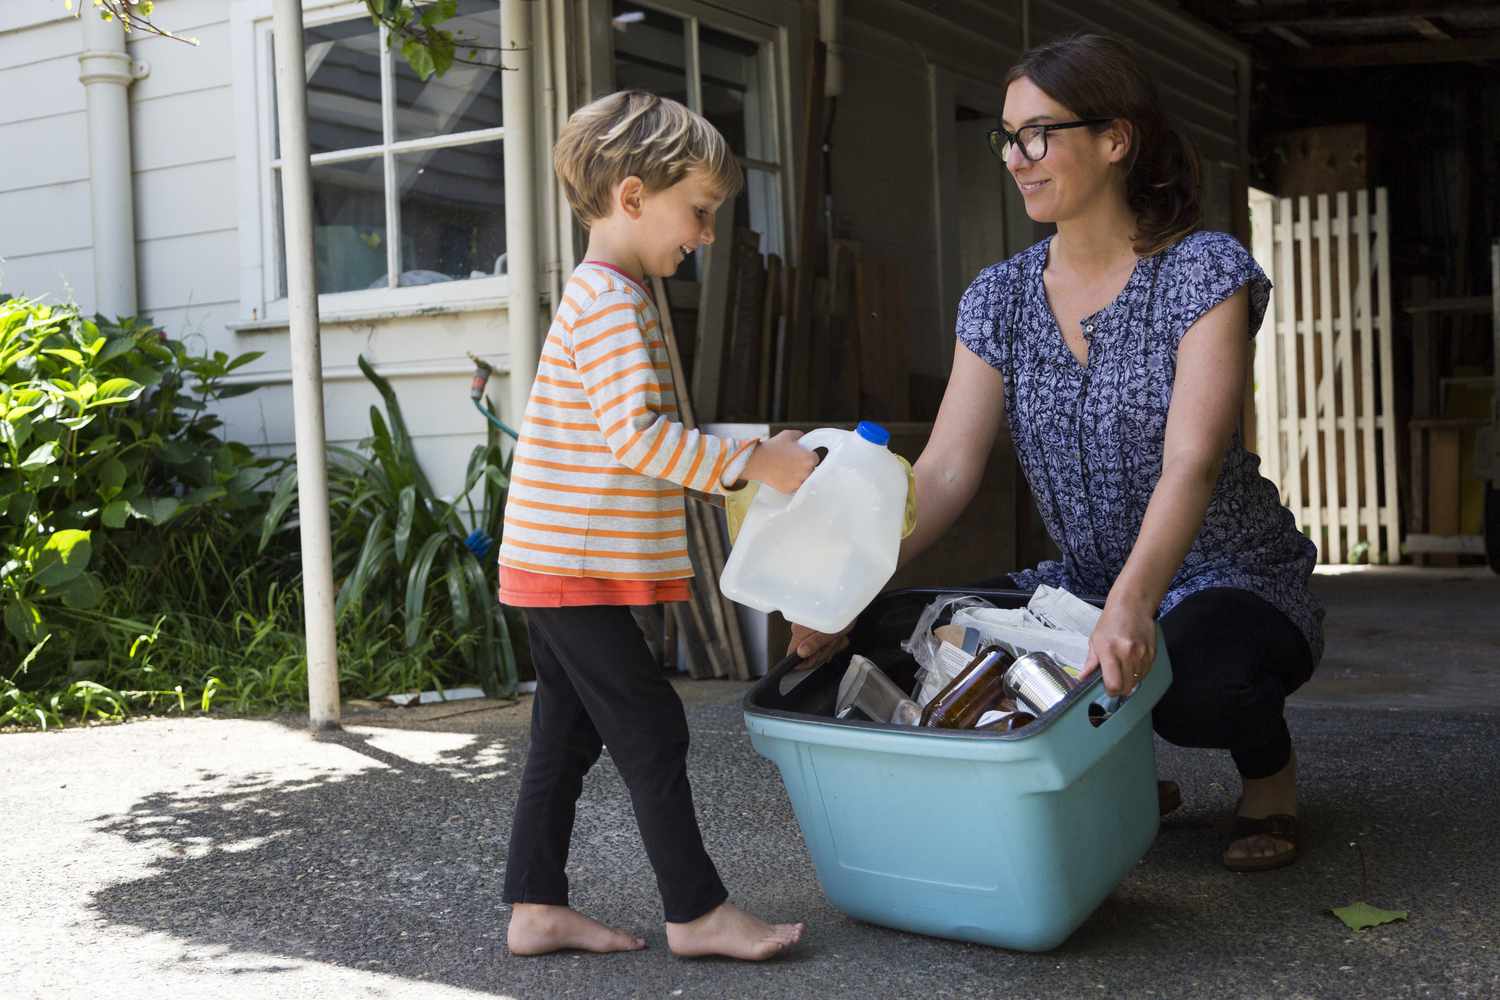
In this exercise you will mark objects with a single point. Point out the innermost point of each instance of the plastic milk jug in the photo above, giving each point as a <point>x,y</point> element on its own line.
<point>823,553</point>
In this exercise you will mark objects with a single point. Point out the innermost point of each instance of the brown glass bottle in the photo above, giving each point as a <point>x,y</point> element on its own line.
<point>1010,723</point>
<point>977,689</point>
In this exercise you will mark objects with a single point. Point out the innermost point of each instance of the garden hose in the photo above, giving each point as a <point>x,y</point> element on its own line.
<point>482,372</point>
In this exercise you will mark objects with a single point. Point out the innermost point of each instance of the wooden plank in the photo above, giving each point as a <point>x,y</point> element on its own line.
<point>1307,329</point>
<point>1417,522</point>
<point>713,307</point>
<point>1453,545</point>
<point>1286,277</point>
<point>770,313</point>
<point>706,583</point>
<point>836,361</point>
<point>1476,304</point>
<point>1345,362</point>
<point>781,363</point>
<point>739,382</point>
<point>704,587</point>
<point>1392,54</point>
<point>883,321</point>
<point>669,633</point>
<point>1366,323</point>
<point>1391,502</point>
<point>1267,347</point>
<point>1443,495</point>
<point>1492,460</point>
<point>799,334</point>
<point>1328,418</point>
<point>714,527</point>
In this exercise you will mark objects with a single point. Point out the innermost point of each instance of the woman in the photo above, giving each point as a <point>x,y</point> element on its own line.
<point>1120,349</point>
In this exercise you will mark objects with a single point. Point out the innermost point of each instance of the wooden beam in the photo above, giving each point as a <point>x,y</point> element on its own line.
<point>1478,304</point>
<point>1323,15</point>
<point>1289,36</point>
<point>1427,29</point>
<point>1394,54</point>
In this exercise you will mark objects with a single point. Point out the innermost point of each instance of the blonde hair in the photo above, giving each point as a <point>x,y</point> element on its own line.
<point>633,133</point>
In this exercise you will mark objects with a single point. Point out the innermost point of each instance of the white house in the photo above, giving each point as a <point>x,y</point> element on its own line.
<point>409,176</point>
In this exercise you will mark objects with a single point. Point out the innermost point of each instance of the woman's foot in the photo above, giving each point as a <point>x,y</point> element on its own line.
<point>728,930</point>
<point>536,929</point>
<point>1273,800</point>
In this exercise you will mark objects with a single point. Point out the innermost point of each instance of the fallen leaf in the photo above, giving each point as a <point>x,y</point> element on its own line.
<point>1358,916</point>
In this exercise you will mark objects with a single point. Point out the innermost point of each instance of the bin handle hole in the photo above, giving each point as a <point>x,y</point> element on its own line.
<point>1100,713</point>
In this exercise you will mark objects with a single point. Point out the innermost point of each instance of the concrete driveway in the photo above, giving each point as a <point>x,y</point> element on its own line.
<point>222,858</point>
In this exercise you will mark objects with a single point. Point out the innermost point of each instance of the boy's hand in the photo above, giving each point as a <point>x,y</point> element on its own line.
<point>781,463</point>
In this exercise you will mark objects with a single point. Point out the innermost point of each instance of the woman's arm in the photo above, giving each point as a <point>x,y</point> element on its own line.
<point>952,463</point>
<point>1212,364</point>
<point>948,472</point>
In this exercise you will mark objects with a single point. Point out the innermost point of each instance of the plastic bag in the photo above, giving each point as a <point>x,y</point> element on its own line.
<point>923,645</point>
<point>1026,635</point>
<point>1053,621</point>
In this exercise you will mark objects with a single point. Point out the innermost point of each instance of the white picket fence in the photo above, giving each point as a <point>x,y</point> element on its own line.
<point>1324,402</point>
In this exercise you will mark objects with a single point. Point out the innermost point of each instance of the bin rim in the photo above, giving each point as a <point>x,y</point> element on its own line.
<point>1043,722</point>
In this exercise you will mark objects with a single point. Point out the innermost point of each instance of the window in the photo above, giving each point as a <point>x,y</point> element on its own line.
<point>408,178</point>
<point>723,67</point>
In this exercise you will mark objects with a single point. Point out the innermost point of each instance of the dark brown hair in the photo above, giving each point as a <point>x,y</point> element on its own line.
<point>1096,76</point>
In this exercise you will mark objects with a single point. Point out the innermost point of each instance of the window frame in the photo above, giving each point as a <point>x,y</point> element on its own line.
<point>262,243</point>
<point>771,39</point>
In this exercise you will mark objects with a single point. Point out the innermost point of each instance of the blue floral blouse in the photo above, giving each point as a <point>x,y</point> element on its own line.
<point>1090,438</point>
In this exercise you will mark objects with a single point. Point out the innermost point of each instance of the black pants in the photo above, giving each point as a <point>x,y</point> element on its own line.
<point>1235,659</point>
<point>598,685</point>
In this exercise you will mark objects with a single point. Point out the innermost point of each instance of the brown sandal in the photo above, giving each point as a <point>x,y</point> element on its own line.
<point>1168,797</point>
<point>1280,826</point>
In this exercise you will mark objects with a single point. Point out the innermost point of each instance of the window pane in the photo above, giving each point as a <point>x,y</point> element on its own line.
<point>348,225</point>
<point>452,213</point>
<point>343,86</point>
<point>759,208</point>
<point>465,98</point>
<point>651,55</point>
<point>732,92</point>
<point>650,51</point>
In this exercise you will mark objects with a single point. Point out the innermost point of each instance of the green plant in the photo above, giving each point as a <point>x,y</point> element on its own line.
<point>102,435</point>
<point>408,559</point>
<point>417,24</point>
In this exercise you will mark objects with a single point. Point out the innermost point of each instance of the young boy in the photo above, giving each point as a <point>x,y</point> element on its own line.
<point>594,523</point>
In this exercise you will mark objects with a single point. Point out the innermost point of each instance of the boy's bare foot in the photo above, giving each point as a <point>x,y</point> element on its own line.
<point>728,930</point>
<point>536,929</point>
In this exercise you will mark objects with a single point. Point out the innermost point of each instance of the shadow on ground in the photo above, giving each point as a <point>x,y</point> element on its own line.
<point>393,860</point>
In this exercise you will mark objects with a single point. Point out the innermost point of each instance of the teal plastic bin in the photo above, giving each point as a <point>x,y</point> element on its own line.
<point>1007,840</point>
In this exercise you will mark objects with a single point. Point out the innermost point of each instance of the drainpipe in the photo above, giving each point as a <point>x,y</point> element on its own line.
<point>105,71</point>
<point>518,102</point>
<point>830,30</point>
<point>307,369</point>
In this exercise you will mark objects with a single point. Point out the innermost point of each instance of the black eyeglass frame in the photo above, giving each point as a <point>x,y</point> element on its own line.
<point>999,137</point>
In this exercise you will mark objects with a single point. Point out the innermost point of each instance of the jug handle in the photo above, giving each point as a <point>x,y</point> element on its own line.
<point>823,437</point>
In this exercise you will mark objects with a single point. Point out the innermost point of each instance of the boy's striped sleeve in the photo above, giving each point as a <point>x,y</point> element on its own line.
<point>633,403</point>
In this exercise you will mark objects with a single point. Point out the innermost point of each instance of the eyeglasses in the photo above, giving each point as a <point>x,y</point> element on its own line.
<point>1033,138</point>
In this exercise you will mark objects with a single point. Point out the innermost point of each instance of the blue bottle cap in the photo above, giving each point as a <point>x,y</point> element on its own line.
<point>873,433</point>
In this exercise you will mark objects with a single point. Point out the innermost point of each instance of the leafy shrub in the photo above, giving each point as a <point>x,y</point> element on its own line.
<point>409,559</point>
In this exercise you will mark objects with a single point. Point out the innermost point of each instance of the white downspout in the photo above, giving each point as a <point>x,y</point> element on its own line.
<point>517,108</point>
<point>104,69</point>
<point>830,30</point>
<point>307,369</point>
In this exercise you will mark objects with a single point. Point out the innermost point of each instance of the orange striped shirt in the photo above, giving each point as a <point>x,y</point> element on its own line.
<point>596,489</point>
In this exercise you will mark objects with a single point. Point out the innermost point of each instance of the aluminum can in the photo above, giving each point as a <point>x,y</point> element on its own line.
<point>1037,682</point>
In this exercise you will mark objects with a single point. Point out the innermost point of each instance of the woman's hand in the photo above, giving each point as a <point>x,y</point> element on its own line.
<point>815,648</point>
<point>1122,645</point>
